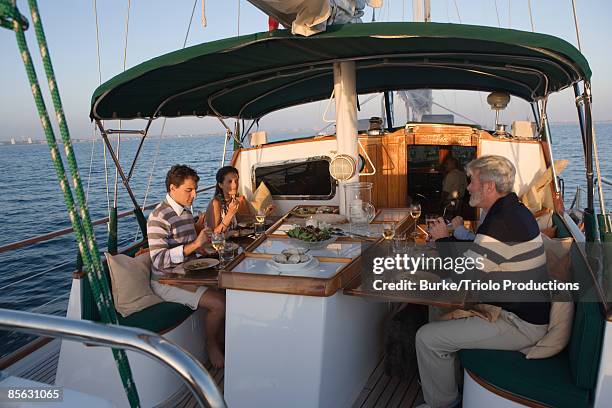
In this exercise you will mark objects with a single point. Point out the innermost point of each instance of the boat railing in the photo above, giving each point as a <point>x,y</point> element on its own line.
<point>192,372</point>
<point>54,234</point>
<point>603,180</point>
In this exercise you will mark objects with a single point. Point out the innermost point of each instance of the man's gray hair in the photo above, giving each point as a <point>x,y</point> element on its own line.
<point>494,168</point>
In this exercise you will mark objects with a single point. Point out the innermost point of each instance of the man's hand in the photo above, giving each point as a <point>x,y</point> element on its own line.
<point>438,229</point>
<point>457,222</point>
<point>197,243</point>
<point>200,222</point>
<point>202,238</point>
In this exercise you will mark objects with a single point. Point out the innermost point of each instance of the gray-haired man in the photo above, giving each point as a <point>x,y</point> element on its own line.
<point>509,239</point>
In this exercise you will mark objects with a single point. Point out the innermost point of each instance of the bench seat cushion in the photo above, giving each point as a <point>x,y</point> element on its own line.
<point>157,318</point>
<point>548,381</point>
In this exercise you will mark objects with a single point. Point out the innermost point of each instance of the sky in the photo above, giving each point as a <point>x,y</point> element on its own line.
<point>157,27</point>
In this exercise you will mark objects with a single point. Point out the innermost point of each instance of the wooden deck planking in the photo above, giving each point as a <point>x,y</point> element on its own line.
<point>382,391</point>
<point>40,365</point>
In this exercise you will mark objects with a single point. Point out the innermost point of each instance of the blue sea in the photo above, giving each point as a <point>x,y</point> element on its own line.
<point>38,278</point>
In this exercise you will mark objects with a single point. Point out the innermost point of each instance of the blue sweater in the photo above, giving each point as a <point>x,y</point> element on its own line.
<point>509,241</point>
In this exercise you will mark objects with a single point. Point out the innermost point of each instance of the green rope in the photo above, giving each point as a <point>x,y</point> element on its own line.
<point>81,223</point>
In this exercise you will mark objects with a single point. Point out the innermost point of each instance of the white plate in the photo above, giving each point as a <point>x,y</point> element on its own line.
<point>312,263</point>
<point>200,264</point>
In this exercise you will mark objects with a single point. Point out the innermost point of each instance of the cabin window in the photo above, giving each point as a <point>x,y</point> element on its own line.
<point>302,179</point>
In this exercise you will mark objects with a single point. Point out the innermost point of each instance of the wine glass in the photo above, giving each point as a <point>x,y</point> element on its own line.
<point>415,213</point>
<point>388,231</point>
<point>217,240</point>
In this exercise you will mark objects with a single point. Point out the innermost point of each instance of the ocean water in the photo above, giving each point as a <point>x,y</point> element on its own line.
<point>38,278</point>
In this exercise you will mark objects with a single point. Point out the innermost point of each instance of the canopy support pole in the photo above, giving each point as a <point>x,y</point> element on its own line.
<point>144,135</point>
<point>142,222</point>
<point>548,139</point>
<point>389,109</point>
<point>580,108</point>
<point>588,148</point>
<point>345,91</point>
<point>593,138</point>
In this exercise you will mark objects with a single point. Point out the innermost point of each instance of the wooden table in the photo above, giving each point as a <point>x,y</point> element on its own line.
<point>208,277</point>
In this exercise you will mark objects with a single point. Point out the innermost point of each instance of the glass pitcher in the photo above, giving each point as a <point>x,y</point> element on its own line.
<point>361,211</point>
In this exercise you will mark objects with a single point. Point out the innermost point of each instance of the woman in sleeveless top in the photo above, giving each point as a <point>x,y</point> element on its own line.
<point>222,210</point>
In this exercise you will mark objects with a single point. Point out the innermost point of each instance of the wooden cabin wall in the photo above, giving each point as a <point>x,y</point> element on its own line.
<point>389,155</point>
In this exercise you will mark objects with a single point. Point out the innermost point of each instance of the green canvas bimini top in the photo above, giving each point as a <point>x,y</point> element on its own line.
<point>252,75</point>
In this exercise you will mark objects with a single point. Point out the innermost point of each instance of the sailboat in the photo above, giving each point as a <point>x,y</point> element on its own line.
<point>312,337</point>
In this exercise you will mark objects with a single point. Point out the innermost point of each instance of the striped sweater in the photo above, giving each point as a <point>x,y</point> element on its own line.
<point>167,230</point>
<point>509,241</point>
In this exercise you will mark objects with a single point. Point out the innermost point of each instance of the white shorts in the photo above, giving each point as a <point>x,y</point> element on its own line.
<point>177,295</point>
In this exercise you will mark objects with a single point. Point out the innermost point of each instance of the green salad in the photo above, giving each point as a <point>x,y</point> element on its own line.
<point>310,234</point>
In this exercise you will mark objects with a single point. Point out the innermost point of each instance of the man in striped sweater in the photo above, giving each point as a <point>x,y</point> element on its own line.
<point>510,246</point>
<point>174,239</point>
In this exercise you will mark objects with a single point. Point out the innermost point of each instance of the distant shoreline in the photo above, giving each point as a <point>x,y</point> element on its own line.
<point>21,142</point>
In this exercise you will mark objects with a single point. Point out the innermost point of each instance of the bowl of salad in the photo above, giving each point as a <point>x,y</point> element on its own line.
<point>310,237</point>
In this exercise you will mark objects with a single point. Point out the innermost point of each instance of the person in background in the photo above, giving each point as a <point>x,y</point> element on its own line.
<point>173,240</point>
<point>453,187</point>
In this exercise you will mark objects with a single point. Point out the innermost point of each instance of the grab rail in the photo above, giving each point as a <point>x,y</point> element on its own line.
<point>66,231</point>
<point>195,376</point>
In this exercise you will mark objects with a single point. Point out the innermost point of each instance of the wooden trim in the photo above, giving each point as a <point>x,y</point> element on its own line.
<point>78,275</point>
<point>353,288</point>
<point>293,285</point>
<point>23,352</point>
<point>259,255</point>
<point>488,136</point>
<point>556,197</point>
<point>505,394</point>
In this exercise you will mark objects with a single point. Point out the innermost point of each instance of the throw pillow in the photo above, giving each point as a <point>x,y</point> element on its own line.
<point>558,258</point>
<point>130,282</point>
<point>558,334</point>
<point>262,197</point>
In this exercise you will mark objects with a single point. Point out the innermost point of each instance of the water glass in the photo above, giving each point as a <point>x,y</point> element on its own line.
<point>227,254</point>
<point>400,244</point>
<point>217,240</point>
<point>260,222</point>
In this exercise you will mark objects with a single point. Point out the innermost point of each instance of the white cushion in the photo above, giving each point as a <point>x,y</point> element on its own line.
<point>130,281</point>
<point>558,333</point>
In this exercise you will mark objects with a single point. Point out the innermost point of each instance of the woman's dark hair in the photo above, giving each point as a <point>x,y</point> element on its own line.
<point>177,175</point>
<point>221,173</point>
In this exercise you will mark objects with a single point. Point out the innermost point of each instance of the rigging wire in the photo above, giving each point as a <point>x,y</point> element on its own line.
<point>531,16</point>
<point>576,25</point>
<point>125,48</point>
<point>509,14</point>
<point>497,13</point>
<point>455,113</point>
<point>238,17</point>
<point>93,148</point>
<point>95,7</point>
<point>457,8</point>
<point>163,127</point>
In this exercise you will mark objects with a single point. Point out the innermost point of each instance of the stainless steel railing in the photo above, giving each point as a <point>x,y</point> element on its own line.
<point>195,376</point>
